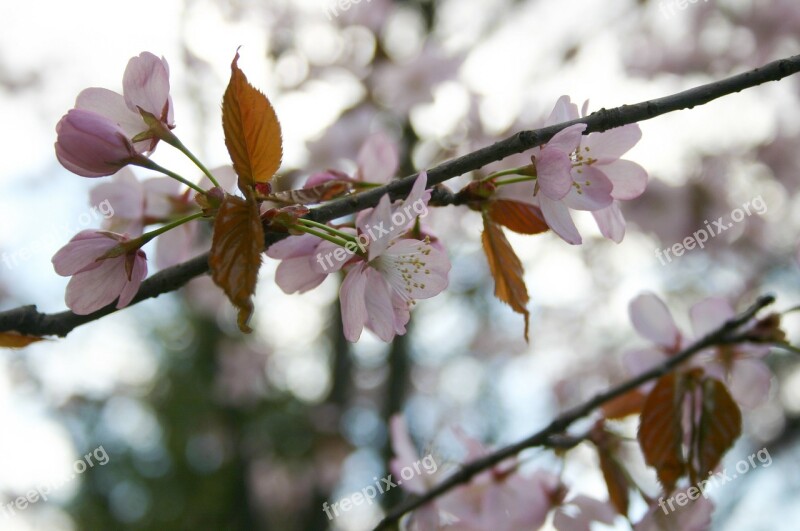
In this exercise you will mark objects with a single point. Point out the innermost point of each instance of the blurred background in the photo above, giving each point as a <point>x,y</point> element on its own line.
<point>207,429</point>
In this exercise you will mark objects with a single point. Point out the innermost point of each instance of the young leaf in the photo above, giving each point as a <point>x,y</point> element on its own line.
<point>509,286</point>
<point>252,130</point>
<point>628,404</point>
<point>519,217</point>
<point>720,425</point>
<point>661,432</point>
<point>15,340</point>
<point>616,481</point>
<point>235,256</point>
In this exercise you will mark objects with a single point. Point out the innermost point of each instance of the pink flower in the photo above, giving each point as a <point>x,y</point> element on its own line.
<point>379,290</point>
<point>96,281</point>
<point>96,138</point>
<point>297,273</point>
<point>500,499</point>
<point>586,173</point>
<point>741,366</point>
<point>427,517</point>
<point>579,513</point>
<point>696,516</point>
<point>377,163</point>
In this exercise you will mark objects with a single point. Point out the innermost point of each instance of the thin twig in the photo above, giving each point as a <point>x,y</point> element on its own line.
<point>558,427</point>
<point>28,320</point>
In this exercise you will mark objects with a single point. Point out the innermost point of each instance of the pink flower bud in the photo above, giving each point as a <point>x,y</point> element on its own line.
<point>91,145</point>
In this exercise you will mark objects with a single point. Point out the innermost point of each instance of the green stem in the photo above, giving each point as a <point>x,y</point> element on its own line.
<point>174,141</point>
<point>323,235</point>
<point>150,165</point>
<point>511,171</point>
<point>147,236</point>
<point>335,232</point>
<point>515,180</point>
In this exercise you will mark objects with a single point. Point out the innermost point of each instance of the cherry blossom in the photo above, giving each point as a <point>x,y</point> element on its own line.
<point>380,288</point>
<point>696,516</point>
<point>740,365</point>
<point>578,514</point>
<point>377,163</point>
<point>101,134</point>
<point>98,280</point>
<point>586,173</point>
<point>500,499</point>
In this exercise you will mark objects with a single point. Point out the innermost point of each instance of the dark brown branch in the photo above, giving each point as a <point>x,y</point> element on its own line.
<point>557,428</point>
<point>28,320</point>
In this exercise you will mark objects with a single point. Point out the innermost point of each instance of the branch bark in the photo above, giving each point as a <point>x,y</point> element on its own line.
<point>28,320</point>
<point>555,431</point>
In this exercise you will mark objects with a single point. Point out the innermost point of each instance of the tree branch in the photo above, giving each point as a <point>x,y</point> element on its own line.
<point>555,431</point>
<point>28,320</point>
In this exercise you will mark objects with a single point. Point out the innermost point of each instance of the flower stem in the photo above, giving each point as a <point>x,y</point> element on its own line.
<point>328,228</point>
<point>522,170</point>
<point>150,165</point>
<point>323,235</point>
<point>515,180</point>
<point>174,141</point>
<point>146,237</point>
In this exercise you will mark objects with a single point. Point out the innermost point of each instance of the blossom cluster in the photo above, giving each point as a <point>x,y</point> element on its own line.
<point>384,272</point>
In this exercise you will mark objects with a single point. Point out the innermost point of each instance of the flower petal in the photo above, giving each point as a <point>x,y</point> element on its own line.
<point>568,139</point>
<point>378,227</point>
<point>553,168</point>
<point>380,311</point>
<point>96,288</point>
<point>112,106</point>
<point>709,314</point>
<point>750,381</point>
<point>377,159</point>
<point>351,299</point>
<point>594,190</point>
<point>557,216</point>
<point>81,252</point>
<point>629,179</point>
<point>611,145</point>
<point>653,320</point>
<point>564,111</point>
<point>610,222</point>
<point>146,85</point>
<point>138,274</point>
<point>298,275</point>
<point>414,269</point>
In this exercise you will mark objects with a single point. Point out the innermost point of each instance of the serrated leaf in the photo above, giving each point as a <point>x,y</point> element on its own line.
<point>16,340</point>
<point>506,268</point>
<point>519,217</point>
<point>252,130</point>
<point>628,404</point>
<point>661,431</point>
<point>235,256</point>
<point>720,425</point>
<point>616,481</point>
